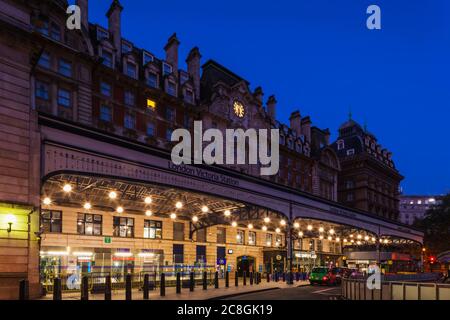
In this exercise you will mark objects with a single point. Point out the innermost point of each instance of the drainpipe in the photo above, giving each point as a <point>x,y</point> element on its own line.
<point>289,246</point>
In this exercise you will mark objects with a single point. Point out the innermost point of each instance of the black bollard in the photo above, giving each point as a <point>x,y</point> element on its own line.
<point>258,278</point>
<point>245,278</point>
<point>178,283</point>
<point>251,278</point>
<point>205,283</point>
<point>57,294</point>
<point>145,288</point>
<point>128,287</point>
<point>284,276</point>
<point>297,276</point>
<point>85,288</point>
<point>268,277</point>
<point>162,285</point>
<point>216,280</point>
<point>191,282</point>
<point>227,279</point>
<point>108,294</point>
<point>24,291</point>
<point>236,279</point>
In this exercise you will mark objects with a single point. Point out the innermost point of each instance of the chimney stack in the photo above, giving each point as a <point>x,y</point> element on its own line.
<point>306,128</point>
<point>171,49</point>
<point>259,94</point>
<point>295,122</point>
<point>327,136</point>
<point>114,25</point>
<point>83,5</point>
<point>272,106</point>
<point>193,66</point>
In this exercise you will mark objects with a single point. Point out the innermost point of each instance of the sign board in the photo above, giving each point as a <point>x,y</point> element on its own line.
<point>222,261</point>
<point>107,240</point>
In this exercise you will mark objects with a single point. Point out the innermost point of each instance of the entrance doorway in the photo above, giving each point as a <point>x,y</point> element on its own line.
<point>245,263</point>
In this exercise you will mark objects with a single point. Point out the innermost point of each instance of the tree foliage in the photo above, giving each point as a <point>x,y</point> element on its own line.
<point>436,226</point>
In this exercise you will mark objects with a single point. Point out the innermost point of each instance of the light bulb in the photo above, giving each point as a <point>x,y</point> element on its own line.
<point>148,213</point>
<point>296,225</point>
<point>148,200</point>
<point>264,228</point>
<point>119,209</point>
<point>338,239</point>
<point>266,219</point>
<point>300,234</point>
<point>178,205</point>
<point>67,188</point>
<point>205,209</point>
<point>173,216</point>
<point>250,226</point>
<point>310,227</point>
<point>47,201</point>
<point>227,213</point>
<point>194,218</point>
<point>321,229</point>
<point>331,231</point>
<point>112,195</point>
<point>87,206</point>
<point>277,230</point>
<point>282,222</point>
<point>234,224</point>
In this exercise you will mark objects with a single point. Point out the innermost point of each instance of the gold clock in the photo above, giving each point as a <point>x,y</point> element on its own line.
<point>239,109</point>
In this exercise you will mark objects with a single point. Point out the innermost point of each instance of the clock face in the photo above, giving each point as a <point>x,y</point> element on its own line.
<point>239,109</point>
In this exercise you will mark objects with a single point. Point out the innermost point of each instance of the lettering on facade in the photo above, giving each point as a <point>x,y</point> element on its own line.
<point>203,174</point>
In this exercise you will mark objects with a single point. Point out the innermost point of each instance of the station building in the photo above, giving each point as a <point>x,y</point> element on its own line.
<point>87,185</point>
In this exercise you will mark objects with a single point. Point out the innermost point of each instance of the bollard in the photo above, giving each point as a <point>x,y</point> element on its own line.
<point>24,290</point>
<point>227,279</point>
<point>251,278</point>
<point>128,287</point>
<point>268,277</point>
<point>297,277</point>
<point>236,279</point>
<point>245,278</point>
<point>162,285</point>
<point>284,276</point>
<point>178,283</point>
<point>277,277</point>
<point>85,288</point>
<point>258,278</point>
<point>108,295</point>
<point>57,294</point>
<point>146,287</point>
<point>205,283</point>
<point>191,282</point>
<point>216,280</point>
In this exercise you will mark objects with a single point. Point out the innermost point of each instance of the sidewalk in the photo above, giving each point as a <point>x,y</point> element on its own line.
<point>198,294</point>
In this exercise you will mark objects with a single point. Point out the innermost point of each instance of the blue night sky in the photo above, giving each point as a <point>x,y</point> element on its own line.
<point>318,56</point>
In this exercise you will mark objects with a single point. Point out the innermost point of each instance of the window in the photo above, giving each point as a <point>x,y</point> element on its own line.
<point>146,58</point>
<point>107,58</point>
<point>123,227</point>
<point>178,253</point>
<point>150,129</point>
<point>350,152</point>
<point>183,77</point>
<point>102,34</point>
<point>105,89</point>
<point>269,239</point>
<point>126,47</point>
<point>319,245</point>
<point>169,132</point>
<point>44,60</point>
<point>89,224</point>
<point>55,32</point>
<point>311,245</point>
<point>278,240</point>
<point>178,231</point>
<point>252,238</point>
<point>340,144</point>
<point>42,26</point>
<point>151,104</point>
<point>130,121</point>
<point>189,96</point>
<point>129,98</point>
<point>152,80</point>
<point>51,221</point>
<point>349,184</point>
<point>65,68</point>
<point>201,235</point>
<point>240,237</point>
<point>170,114</point>
<point>152,229</point>
<point>167,69</point>
<point>131,70</point>
<point>171,88</point>
<point>42,90</point>
<point>350,197</point>
<point>201,254</point>
<point>105,113</point>
<point>221,235</point>
<point>64,98</point>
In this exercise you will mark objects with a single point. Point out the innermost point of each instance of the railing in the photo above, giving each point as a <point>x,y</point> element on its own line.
<point>357,289</point>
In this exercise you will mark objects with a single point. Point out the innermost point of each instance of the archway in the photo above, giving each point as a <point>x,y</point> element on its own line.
<point>245,264</point>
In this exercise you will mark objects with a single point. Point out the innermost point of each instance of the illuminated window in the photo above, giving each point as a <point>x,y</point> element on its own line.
<point>240,237</point>
<point>151,104</point>
<point>51,221</point>
<point>278,240</point>
<point>89,224</point>
<point>152,229</point>
<point>269,239</point>
<point>123,227</point>
<point>252,238</point>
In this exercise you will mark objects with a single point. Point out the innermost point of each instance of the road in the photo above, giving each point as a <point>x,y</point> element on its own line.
<point>295,293</point>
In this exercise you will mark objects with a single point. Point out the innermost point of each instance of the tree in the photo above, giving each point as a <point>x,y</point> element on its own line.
<point>436,226</point>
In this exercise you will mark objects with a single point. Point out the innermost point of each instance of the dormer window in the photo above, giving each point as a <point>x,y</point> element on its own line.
<point>147,58</point>
<point>107,58</point>
<point>167,69</point>
<point>102,34</point>
<point>350,152</point>
<point>341,145</point>
<point>126,47</point>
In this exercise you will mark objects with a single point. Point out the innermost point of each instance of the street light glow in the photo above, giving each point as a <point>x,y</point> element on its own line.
<point>47,201</point>
<point>67,188</point>
<point>266,219</point>
<point>112,195</point>
<point>148,200</point>
<point>179,205</point>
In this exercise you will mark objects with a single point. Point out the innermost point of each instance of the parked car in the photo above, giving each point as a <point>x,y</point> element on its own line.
<point>322,275</point>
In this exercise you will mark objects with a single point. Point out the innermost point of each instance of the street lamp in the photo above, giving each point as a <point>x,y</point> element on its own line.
<point>10,220</point>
